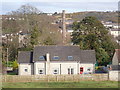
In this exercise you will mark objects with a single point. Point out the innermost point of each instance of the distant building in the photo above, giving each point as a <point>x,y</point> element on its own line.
<point>23,39</point>
<point>115,32</point>
<point>111,25</point>
<point>46,60</point>
<point>49,14</point>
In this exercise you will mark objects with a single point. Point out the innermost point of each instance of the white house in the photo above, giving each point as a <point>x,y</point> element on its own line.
<point>56,60</point>
<point>115,32</point>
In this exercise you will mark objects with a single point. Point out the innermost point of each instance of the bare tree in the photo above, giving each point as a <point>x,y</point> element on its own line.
<point>26,9</point>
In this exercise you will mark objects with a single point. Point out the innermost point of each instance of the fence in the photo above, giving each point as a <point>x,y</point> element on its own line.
<point>55,78</point>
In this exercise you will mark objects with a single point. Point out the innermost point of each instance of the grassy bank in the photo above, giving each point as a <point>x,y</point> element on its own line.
<point>81,84</point>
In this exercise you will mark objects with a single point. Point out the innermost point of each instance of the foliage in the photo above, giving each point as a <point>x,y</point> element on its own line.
<point>15,65</point>
<point>48,41</point>
<point>91,34</point>
<point>28,48</point>
<point>31,21</point>
<point>7,64</point>
<point>102,56</point>
<point>34,36</point>
<point>11,73</point>
<point>102,16</point>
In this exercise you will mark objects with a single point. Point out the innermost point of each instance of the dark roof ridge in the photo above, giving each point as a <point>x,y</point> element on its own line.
<point>55,45</point>
<point>24,51</point>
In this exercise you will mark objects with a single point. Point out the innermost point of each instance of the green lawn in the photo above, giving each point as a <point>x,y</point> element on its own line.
<point>81,84</point>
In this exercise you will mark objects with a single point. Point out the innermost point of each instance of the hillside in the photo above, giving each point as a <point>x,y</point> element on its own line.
<point>102,16</point>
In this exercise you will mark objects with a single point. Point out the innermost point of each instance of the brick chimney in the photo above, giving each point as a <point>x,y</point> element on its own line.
<point>63,27</point>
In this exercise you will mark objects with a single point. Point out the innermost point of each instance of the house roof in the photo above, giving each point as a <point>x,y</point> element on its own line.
<point>114,29</point>
<point>115,67</point>
<point>25,56</point>
<point>117,51</point>
<point>84,56</point>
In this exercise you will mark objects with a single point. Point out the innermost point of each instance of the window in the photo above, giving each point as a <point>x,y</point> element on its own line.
<point>55,57</point>
<point>55,71</point>
<point>41,71</point>
<point>70,57</point>
<point>26,70</point>
<point>42,58</point>
<point>89,69</point>
<point>70,70</point>
<point>81,70</point>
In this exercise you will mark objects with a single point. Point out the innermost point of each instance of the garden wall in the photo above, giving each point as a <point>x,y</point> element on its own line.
<point>113,75</point>
<point>50,78</point>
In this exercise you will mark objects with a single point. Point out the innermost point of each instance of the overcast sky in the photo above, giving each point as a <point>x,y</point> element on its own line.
<point>51,6</point>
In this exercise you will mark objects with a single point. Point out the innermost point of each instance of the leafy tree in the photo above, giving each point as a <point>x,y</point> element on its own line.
<point>15,65</point>
<point>91,34</point>
<point>102,56</point>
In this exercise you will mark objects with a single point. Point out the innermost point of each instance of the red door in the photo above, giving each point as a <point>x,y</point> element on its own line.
<point>81,70</point>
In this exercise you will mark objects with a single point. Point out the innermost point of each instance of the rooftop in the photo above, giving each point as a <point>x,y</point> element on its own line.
<point>61,53</point>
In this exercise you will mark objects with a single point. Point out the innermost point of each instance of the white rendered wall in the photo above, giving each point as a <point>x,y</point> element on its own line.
<point>86,66</point>
<point>37,66</point>
<point>22,67</point>
<point>62,67</point>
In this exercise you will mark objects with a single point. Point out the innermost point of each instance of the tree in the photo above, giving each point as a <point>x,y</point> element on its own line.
<point>102,56</point>
<point>34,36</point>
<point>48,41</point>
<point>91,34</point>
<point>26,9</point>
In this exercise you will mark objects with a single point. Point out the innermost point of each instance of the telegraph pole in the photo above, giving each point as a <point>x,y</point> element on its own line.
<point>7,54</point>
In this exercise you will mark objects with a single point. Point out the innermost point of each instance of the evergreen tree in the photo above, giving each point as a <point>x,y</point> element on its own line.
<point>91,34</point>
<point>34,36</point>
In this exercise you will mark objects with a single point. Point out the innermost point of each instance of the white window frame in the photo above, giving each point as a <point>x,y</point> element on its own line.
<point>42,71</point>
<point>25,69</point>
<point>56,57</point>
<point>56,72</point>
<point>89,68</point>
<point>70,71</point>
<point>41,58</point>
<point>70,57</point>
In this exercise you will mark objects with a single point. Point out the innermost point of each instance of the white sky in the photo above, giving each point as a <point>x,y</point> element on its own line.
<point>60,0</point>
<point>51,6</point>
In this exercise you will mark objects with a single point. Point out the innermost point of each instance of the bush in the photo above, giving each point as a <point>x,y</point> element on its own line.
<point>15,65</point>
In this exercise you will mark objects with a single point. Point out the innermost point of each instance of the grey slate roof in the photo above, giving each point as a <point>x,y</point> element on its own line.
<point>115,67</point>
<point>84,56</point>
<point>25,56</point>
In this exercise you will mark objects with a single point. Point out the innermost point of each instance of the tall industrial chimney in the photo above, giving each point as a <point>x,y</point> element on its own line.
<point>63,27</point>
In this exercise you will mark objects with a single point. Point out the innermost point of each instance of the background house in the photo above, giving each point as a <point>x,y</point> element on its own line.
<point>56,60</point>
